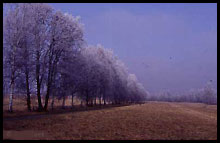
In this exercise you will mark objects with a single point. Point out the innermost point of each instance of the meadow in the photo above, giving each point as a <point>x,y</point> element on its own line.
<point>148,121</point>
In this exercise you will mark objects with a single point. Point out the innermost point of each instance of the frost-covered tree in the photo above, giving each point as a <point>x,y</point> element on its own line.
<point>36,35</point>
<point>41,15</point>
<point>106,77</point>
<point>25,50</point>
<point>209,95</point>
<point>66,37</point>
<point>136,90</point>
<point>12,37</point>
<point>45,53</point>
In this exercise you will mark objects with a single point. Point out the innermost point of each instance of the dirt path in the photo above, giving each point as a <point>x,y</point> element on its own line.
<point>26,117</point>
<point>37,115</point>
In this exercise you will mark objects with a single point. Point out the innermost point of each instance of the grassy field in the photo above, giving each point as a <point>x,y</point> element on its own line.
<point>149,121</point>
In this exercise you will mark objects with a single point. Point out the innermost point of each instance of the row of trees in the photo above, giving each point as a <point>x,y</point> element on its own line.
<point>44,53</point>
<point>207,95</point>
<point>95,73</point>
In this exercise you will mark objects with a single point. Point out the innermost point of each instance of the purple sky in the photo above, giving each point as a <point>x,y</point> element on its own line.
<point>168,46</point>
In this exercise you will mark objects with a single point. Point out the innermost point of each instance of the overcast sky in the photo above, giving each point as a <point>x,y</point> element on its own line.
<point>168,46</point>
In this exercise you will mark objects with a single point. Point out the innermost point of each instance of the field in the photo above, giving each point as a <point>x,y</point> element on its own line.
<point>149,121</point>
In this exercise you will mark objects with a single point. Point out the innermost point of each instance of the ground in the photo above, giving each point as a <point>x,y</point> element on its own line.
<point>149,121</point>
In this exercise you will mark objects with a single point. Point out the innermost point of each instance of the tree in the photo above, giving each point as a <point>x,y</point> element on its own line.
<point>25,50</point>
<point>66,37</point>
<point>47,49</point>
<point>12,35</point>
<point>40,16</point>
<point>209,94</point>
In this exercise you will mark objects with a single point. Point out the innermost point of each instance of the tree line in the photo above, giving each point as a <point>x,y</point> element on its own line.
<point>45,55</point>
<point>207,95</point>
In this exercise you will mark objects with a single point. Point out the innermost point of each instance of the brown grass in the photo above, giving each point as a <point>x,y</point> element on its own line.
<point>150,121</point>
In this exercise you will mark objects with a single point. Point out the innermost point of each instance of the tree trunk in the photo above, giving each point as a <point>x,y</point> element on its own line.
<point>46,99</point>
<point>104,97</point>
<point>100,101</point>
<point>49,82</point>
<point>52,102</point>
<point>40,107</point>
<point>63,105</point>
<point>100,97</point>
<point>47,96</point>
<point>28,91</point>
<point>12,82</point>
<point>52,90</point>
<point>26,57</point>
<point>11,96</point>
<point>104,102</point>
<point>91,102</point>
<point>87,98</point>
<point>72,100</point>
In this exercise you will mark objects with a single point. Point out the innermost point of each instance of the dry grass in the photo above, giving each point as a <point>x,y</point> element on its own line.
<point>150,121</point>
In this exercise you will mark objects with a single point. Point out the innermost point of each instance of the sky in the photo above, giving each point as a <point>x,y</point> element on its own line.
<point>167,46</point>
